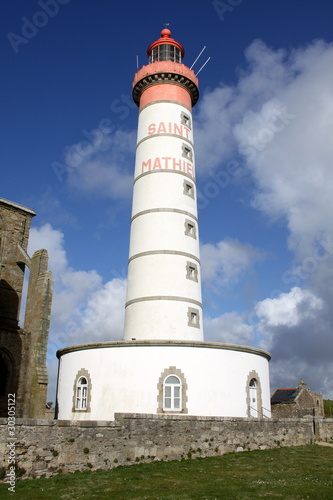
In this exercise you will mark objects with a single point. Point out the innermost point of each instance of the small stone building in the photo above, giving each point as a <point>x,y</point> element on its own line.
<point>22,350</point>
<point>296,402</point>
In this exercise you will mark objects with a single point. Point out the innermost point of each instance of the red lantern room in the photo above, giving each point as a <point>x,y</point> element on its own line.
<point>165,49</point>
<point>165,67</point>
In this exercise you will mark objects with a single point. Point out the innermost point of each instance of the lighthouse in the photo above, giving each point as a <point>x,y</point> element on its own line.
<point>163,365</point>
<point>164,278</point>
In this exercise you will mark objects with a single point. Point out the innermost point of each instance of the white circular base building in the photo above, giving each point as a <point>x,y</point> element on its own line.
<point>155,377</point>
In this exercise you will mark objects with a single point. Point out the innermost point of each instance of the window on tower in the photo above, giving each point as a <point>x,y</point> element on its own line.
<point>185,120</point>
<point>81,394</point>
<point>190,229</point>
<point>187,152</point>
<point>253,396</point>
<point>82,391</point>
<point>165,52</point>
<point>193,317</point>
<point>191,271</point>
<point>188,189</point>
<point>172,393</point>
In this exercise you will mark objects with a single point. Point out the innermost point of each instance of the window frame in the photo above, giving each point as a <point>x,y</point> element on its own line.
<point>193,317</point>
<point>188,189</point>
<point>185,119</point>
<point>191,271</point>
<point>82,392</point>
<point>190,229</point>
<point>165,52</point>
<point>172,371</point>
<point>258,409</point>
<point>172,397</point>
<point>187,152</point>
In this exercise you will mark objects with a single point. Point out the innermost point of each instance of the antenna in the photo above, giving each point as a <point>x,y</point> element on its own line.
<point>198,57</point>
<point>137,62</point>
<point>203,66</point>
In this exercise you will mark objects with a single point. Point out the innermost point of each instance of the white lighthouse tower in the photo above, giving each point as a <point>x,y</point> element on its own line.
<point>163,365</point>
<point>164,279</point>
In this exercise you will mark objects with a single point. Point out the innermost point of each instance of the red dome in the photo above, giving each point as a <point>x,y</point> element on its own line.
<point>165,39</point>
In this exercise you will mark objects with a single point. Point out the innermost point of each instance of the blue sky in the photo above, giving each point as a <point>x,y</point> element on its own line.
<point>263,136</point>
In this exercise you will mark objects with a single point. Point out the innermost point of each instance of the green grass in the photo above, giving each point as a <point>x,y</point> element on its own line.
<point>328,408</point>
<point>304,472</point>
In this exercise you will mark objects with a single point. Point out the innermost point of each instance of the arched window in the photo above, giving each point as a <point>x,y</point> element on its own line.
<point>81,394</point>
<point>172,393</point>
<point>82,391</point>
<point>253,398</point>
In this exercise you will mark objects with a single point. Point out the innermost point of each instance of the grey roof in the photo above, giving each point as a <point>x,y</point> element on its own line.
<point>284,395</point>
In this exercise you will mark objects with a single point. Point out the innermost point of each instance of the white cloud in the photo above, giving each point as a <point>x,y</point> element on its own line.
<point>277,122</point>
<point>83,308</point>
<point>288,372</point>
<point>279,117</point>
<point>224,262</point>
<point>103,317</point>
<point>289,309</point>
<point>230,328</point>
<point>52,240</point>
<point>101,165</point>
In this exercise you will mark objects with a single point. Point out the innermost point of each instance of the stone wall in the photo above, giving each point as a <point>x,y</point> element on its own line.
<point>324,429</point>
<point>46,447</point>
<point>304,402</point>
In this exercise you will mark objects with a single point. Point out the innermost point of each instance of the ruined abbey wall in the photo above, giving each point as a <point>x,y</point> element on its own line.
<point>22,348</point>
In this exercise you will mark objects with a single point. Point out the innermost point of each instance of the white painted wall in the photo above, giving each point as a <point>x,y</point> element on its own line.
<point>161,319</point>
<point>125,376</point>
<point>145,269</point>
<point>162,112</point>
<point>159,248</point>
<point>163,189</point>
<point>162,231</point>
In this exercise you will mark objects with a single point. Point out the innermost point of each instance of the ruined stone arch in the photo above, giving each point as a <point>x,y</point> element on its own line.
<point>6,371</point>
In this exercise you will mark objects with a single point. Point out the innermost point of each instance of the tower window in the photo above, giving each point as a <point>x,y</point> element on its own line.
<point>172,391</point>
<point>193,317</point>
<point>190,229</point>
<point>191,271</point>
<point>188,189</point>
<point>81,394</point>
<point>185,120</point>
<point>254,397</point>
<point>187,152</point>
<point>165,52</point>
<point>82,391</point>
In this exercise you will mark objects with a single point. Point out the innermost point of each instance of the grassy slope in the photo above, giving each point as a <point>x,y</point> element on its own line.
<point>328,408</point>
<point>304,472</point>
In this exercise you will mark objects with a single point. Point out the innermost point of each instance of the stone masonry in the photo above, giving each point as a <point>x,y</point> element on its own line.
<point>46,447</point>
<point>22,350</point>
<point>296,402</point>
